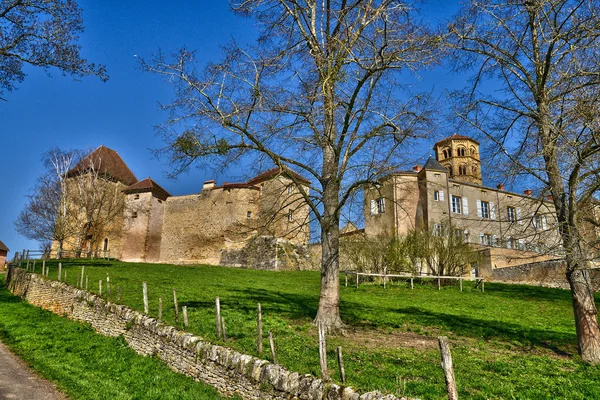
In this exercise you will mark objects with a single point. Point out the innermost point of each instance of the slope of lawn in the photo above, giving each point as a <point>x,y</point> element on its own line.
<point>86,365</point>
<point>513,341</point>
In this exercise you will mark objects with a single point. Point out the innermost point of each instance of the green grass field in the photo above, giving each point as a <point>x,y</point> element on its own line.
<point>86,365</point>
<point>512,341</point>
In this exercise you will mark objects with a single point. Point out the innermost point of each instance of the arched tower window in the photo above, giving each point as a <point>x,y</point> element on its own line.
<point>449,168</point>
<point>462,169</point>
<point>445,154</point>
<point>473,151</point>
<point>460,152</point>
<point>474,170</point>
<point>106,244</point>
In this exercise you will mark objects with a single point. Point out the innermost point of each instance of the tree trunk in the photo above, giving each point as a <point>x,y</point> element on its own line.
<point>586,315</point>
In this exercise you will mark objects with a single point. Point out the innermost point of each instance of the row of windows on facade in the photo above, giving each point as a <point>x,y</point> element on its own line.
<point>488,239</point>
<point>460,152</point>
<point>460,205</point>
<point>462,170</point>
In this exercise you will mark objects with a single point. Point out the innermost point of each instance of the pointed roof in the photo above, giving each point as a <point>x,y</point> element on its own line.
<point>434,165</point>
<point>3,246</point>
<point>273,172</point>
<point>147,185</point>
<point>455,137</point>
<point>108,163</point>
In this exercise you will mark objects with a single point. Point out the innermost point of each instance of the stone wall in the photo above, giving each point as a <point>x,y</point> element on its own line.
<point>227,370</point>
<point>268,252</point>
<point>546,273</point>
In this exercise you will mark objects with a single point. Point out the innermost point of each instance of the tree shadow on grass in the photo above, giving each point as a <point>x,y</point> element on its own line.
<point>526,292</point>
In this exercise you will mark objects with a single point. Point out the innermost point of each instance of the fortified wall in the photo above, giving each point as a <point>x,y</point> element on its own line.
<point>229,371</point>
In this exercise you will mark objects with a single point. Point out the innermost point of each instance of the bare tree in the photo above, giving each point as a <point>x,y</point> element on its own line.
<point>42,33</point>
<point>44,216</point>
<point>318,95</point>
<point>544,57</point>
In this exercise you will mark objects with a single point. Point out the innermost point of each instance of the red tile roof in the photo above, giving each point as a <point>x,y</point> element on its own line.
<point>108,163</point>
<point>273,172</point>
<point>147,185</point>
<point>456,136</point>
<point>3,246</point>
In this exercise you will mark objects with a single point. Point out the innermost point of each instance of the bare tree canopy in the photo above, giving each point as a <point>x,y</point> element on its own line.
<point>544,57</point>
<point>319,94</point>
<point>42,33</point>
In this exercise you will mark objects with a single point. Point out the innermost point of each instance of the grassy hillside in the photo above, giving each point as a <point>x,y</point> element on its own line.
<point>509,342</point>
<point>85,365</point>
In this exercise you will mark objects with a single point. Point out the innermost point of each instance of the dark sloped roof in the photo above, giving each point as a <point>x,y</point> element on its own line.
<point>237,185</point>
<point>433,165</point>
<point>3,246</point>
<point>456,136</point>
<point>147,185</point>
<point>108,163</point>
<point>273,172</point>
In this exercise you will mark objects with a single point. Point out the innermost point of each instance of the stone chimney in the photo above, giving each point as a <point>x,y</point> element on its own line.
<point>500,186</point>
<point>417,168</point>
<point>209,185</point>
<point>528,192</point>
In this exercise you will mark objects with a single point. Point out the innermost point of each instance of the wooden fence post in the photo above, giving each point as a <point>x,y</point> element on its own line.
<point>223,329</point>
<point>357,280</point>
<point>86,281</point>
<point>59,271</point>
<point>482,285</point>
<point>43,267</point>
<point>259,343</point>
<point>448,368</point>
<point>411,283</point>
<point>145,293</point>
<point>460,280</point>
<point>323,354</point>
<point>176,306</point>
<point>82,274</point>
<point>272,344</point>
<point>346,277</point>
<point>100,287</point>
<point>341,364</point>
<point>33,270</point>
<point>218,316</point>
<point>439,284</point>
<point>118,293</point>
<point>159,308</point>
<point>107,284</point>
<point>65,276</point>
<point>185,316</point>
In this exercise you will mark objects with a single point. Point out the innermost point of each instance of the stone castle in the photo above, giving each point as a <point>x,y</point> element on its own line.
<point>262,222</point>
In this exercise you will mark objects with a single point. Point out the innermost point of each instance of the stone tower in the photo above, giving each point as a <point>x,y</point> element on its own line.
<point>460,155</point>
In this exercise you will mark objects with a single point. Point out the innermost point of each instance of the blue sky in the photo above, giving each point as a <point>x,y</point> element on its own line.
<point>58,111</point>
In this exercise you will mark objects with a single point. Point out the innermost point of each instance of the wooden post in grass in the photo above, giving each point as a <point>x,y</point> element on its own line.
<point>346,277</point>
<point>145,293</point>
<point>357,279</point>
<point>439,283</point>
<point>259,330</point>
<point>82,274</point>
<point>218,317</point>
<point>100,287</point>
<point>118,293</point>
<point>176,306</point>
<point>384,276</point>
<point>65,276</point>
<point>86,282</point>
<point>185,317</point>
<point>482,285</point>
<point>107,284</point>
<point>341,364</point>
<point>272,344</point>
<point>223,329</point>
<point>448,368</point>
<point>460,280</point>
<point>323,354</point>
<point>33,269</point>
<point>412,286</point>
<point>159,308</point>
<point>59,270</point>
<point>43,267</point>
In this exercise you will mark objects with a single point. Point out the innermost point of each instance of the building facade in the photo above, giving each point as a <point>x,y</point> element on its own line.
<point>262,222</point>
<point>508,228</point>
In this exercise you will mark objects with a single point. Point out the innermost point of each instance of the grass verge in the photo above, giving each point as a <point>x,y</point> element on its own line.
<point>86,365</point>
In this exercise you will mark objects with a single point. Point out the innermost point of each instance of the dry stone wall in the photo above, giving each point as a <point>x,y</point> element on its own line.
<point>229,371</point>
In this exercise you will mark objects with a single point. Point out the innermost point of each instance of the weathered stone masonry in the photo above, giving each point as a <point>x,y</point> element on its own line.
<point>229,371</point>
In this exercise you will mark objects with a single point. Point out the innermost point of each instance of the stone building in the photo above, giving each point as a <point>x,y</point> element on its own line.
<point>3,254</point>
<point>508,228</point>
<point>261,223</point>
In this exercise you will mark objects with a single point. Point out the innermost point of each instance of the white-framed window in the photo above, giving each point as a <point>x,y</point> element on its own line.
<point>511,213</point>
<point>378,206</point>
<point>437,230</point>
<point>485,239</point>
<point>456,205</point>
<point>438,195</point>
<point>483,209</point>
<point>539,222</point>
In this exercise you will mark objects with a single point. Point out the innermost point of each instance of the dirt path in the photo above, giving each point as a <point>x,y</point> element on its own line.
<point>19,382</point>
